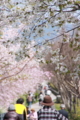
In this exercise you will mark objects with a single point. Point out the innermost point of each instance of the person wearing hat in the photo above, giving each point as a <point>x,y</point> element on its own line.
<point>11,114</point>
<point>48,112</point>
<point>63,111</point>
<point>48,92</point>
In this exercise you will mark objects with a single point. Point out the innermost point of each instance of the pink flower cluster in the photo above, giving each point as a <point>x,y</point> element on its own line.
<point>28,80</point>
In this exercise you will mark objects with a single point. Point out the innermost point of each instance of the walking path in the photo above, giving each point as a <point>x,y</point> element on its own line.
<point>36,106</point>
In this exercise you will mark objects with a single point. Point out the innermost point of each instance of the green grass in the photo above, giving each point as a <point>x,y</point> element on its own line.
<point>76,115</point>
<point>73,116</point>
<point>57,106</point>
<point>78,109</point>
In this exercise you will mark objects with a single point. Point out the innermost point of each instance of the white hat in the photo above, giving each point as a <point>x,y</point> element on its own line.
<point>62,105</point>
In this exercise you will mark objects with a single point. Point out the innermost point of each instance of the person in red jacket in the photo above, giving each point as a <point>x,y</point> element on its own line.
<point>11,114</point>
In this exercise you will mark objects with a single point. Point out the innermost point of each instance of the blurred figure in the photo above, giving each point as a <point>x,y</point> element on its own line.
<point>40,87</point>
<point>48,92</point>
<point>33,115</point>
<point>41,97</point>
<point>30,93</point>
<point>20,108</point>
<point>11,114</point>
<point>49,113</point>
<point>45,89</point>
<point>29,100</point>
<point>28,111</point>
<point>63,111</point>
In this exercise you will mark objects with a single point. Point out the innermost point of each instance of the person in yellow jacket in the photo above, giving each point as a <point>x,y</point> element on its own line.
<point>21,109</point>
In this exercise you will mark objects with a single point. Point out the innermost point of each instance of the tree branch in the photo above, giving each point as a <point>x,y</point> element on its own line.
<point>18,71</point>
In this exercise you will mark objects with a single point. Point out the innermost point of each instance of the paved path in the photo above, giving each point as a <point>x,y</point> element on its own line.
<point>36,106</point>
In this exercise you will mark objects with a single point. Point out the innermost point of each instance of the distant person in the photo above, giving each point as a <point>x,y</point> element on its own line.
<point>33,115</point>
<point>29,100</point>
<point>45,89</point>
<point>48,92</point>
<point>40,87</point>
<point>41,97</point>
<point>48,112</point>
<point>63,111</point>
<point>20,108</point>
<point>30,93</point>
<point>11,114</point>
<point>28,111</point>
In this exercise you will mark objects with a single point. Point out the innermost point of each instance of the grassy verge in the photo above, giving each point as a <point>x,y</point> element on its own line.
<point>76,116</point>
<point>57,106</point>
<point>72,116</point>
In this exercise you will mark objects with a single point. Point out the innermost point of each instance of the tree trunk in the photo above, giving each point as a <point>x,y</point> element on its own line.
<point>74,104</point>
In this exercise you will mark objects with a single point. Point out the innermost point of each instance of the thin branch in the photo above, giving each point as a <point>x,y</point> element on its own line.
<point>18,71</point>
<point>48,4</point>
<point>54,37</point>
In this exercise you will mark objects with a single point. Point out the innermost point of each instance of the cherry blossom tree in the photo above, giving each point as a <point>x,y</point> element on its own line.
<point>28,31</point>
<point>37,17</point>
<point>18,78</point>
<point>62,59</point>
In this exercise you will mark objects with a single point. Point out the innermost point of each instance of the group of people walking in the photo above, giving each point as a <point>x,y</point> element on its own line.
<point>47,111</point>
<point>17,111</point>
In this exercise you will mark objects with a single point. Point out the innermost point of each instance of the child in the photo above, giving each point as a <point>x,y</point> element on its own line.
<point>33,115</point>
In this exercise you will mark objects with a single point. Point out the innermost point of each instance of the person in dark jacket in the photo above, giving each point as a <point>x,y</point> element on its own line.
<point>28,110</point>
<point>11,114</point>
<point>63,111</point>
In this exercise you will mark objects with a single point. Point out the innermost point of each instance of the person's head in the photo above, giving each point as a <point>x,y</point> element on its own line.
<point>20,101</point>
<point>48,92</point>
<point>62,106</point>
<point>40,92</point>
<point>29,92</point>
<point>11,108</point>
<point>47,101</point>
<point>32,110</point>
<point>27,108</point>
